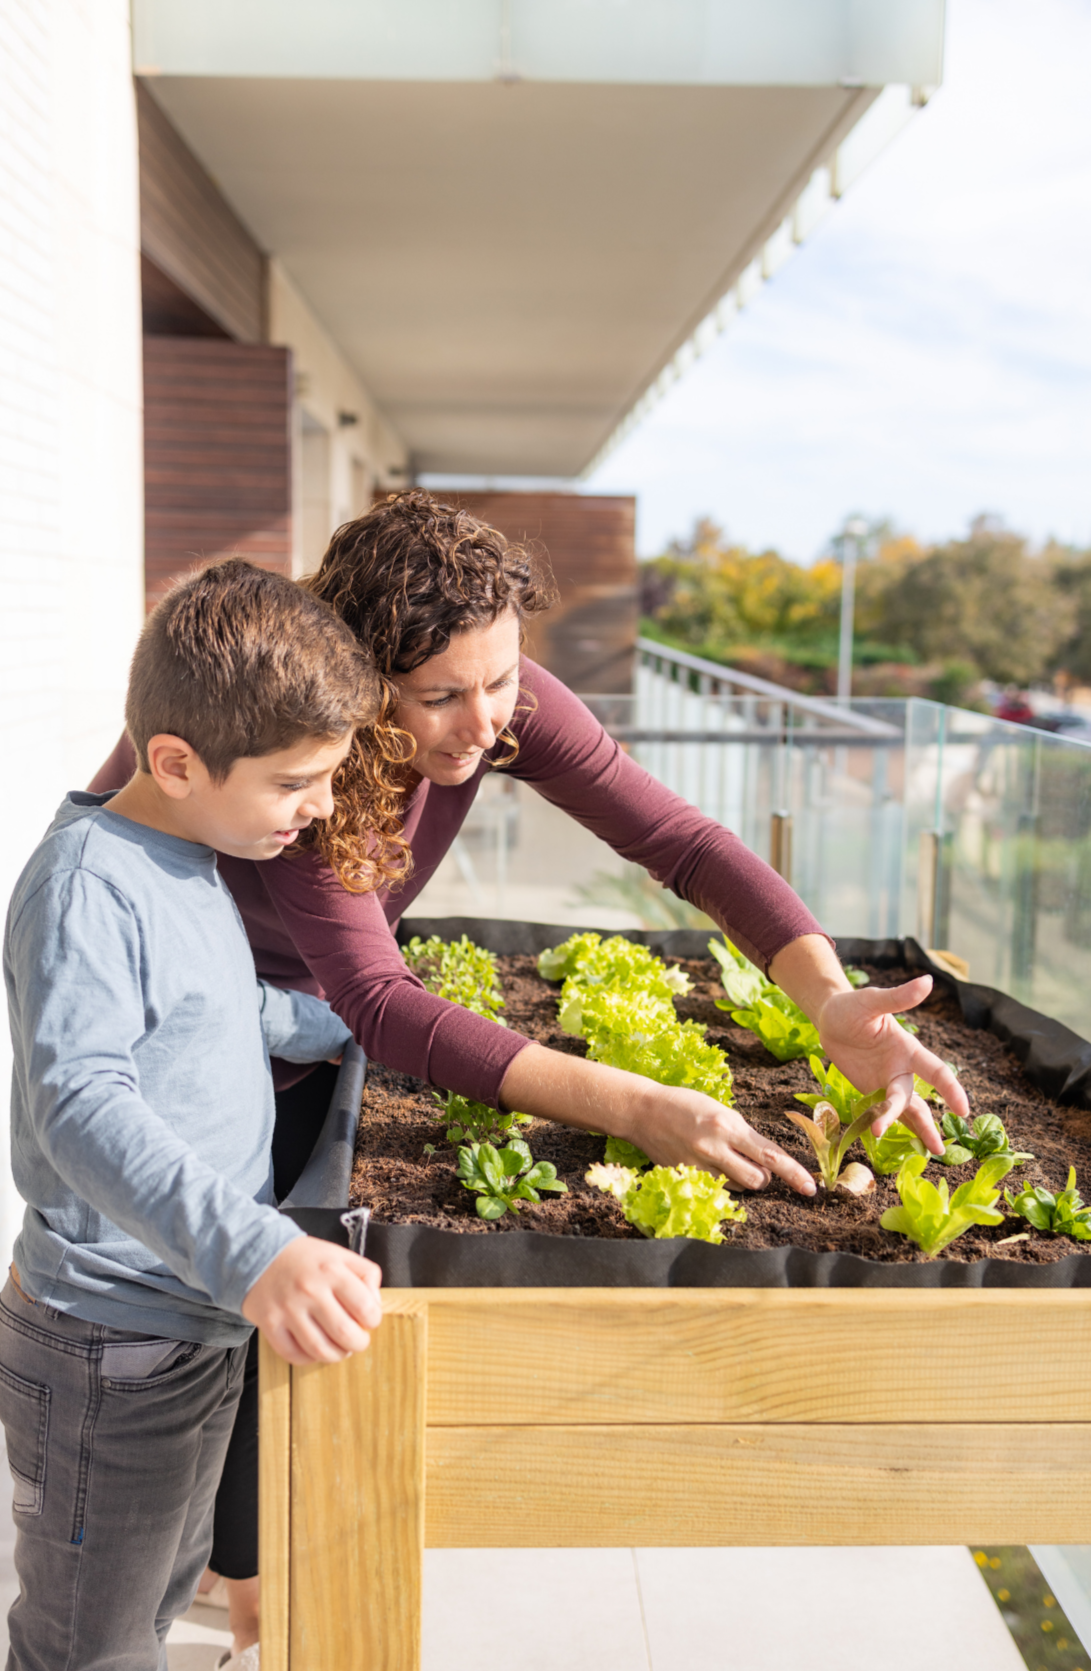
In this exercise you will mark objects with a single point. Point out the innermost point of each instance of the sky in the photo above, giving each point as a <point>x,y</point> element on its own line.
<point>926,355</point>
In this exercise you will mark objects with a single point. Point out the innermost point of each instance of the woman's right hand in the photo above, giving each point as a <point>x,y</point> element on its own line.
<point>672,1125</point>
<point>686,1128</point>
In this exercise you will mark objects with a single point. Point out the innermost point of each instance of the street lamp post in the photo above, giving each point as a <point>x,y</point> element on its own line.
<point>851,546</point>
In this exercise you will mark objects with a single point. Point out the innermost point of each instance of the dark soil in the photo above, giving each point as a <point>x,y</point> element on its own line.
<point>402,1184</point>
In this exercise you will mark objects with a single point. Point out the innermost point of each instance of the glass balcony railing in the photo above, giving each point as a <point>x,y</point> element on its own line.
<point>888,817</point>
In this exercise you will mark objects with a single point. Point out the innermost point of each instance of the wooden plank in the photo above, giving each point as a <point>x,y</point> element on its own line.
<point>274,1500</point>
<point>190,231</point>
<point>570,1356</point>
<point>358,1503</point>
<point>794,1484</point>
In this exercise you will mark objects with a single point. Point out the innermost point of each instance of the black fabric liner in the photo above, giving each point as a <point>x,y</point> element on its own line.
<point>1053,1058</point>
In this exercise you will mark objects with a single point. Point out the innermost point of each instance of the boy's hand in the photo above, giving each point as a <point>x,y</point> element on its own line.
<point>316,1302</point>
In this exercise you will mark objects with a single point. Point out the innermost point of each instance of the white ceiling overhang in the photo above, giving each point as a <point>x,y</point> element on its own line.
<point>519,217</point>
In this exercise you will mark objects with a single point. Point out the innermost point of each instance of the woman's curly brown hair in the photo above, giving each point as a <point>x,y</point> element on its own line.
<point>406,577</point>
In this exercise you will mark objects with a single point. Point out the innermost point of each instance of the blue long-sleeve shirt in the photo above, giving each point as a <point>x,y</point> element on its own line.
<point>142,1101</point>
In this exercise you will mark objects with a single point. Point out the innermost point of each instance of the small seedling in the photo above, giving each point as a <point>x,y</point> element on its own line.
<point>886,1153</point>
<point>829,1139</point>
<point>671,1200</point>
<point>502,1178</point>
<point>475,1122</point>
<point>1063,1214</point>
<point>976,1140</point>
<point>931,1217</point>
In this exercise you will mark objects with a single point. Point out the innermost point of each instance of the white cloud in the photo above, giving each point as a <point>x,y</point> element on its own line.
<point>928,354</point>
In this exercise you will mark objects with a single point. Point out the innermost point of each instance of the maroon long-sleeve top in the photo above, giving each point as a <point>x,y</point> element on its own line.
<point>308,932</point>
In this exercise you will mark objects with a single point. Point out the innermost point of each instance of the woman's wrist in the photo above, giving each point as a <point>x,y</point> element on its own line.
<point>809,971</point>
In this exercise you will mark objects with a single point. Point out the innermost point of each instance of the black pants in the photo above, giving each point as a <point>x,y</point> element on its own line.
<point>300,1113</point>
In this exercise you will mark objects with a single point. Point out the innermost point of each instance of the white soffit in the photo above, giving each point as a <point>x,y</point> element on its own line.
<point>519,267</point>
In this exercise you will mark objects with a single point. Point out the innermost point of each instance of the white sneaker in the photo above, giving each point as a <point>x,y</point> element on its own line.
<point>248,1660</point>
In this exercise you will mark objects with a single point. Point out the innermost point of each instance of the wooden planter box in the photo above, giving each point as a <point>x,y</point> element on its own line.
<point>511,1417</point>
<point>645,1416</point>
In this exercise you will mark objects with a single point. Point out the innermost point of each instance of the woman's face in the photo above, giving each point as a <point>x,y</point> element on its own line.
<point>456,704</point>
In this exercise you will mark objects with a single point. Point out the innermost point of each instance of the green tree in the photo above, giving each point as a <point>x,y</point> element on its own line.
<point>983,600</point>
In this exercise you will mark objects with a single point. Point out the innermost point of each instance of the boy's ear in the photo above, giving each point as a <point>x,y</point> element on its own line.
<point>172,762</point>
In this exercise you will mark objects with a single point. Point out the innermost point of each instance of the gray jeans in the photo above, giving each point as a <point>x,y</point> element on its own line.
<point>115,1443</point>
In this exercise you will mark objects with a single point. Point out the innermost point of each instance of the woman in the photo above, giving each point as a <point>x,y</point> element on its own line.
<point>440,600</point>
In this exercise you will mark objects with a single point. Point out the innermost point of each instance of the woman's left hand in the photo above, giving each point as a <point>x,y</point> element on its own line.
<point>860,1035</point>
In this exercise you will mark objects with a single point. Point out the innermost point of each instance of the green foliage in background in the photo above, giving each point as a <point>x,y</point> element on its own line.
<point>982,607</point>
<point>1039,1628</point>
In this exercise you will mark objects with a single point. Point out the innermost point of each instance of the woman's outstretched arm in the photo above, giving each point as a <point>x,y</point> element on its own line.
<point>673,1125</point>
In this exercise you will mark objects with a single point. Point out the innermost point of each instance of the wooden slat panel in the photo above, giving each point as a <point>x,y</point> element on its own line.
<point>503,1487</point>
<point>274,1427</point>
<point>358,1503</point>
<point>217,456</point>
<point>711,1355</point>
<point>190,231</point>
<point>589,637</point>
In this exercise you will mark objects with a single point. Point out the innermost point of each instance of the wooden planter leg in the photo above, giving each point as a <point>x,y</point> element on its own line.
<point>354,1525</point>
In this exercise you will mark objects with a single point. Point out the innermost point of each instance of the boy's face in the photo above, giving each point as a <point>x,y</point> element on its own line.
<point>263,803</point>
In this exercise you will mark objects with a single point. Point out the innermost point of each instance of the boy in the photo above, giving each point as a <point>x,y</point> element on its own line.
<point>142,1113</point>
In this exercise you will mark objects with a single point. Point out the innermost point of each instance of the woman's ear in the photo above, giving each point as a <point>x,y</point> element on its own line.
<point>173,764</point>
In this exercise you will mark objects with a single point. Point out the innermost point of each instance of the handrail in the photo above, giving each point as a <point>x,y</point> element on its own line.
<point>831,711</point>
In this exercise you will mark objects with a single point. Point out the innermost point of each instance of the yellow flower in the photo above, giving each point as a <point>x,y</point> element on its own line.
<point>981,1558</point>
<point>1003,1595</point>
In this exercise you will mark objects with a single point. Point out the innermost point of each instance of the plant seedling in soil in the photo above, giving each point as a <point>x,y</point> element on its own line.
<point>670,1200</point>
<point>502,1178</point>
<point>458,971</point>
<point>931,1217</point>
<point>475,1122</point>
<point>885,1153</point>
<point>976,1140</point>
<point>1063,1214</point>
<point>830,1140</point>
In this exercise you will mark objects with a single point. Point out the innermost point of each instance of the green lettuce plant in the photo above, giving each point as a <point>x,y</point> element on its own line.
<point>976,1140</point>
<point>475,1122</point>
<point>671,1200</point>
<point>503,1178</point>
<point>1063,1214</point>
<point>617,963</point>
<point>757,1003</point>
<point>620,999</point>
<point>933,1218</point>
<point>621,1153</point>
<point>459,971</point>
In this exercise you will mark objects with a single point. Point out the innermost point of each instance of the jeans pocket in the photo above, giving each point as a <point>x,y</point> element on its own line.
<point>24,1411</point>
<point>140,1360</point>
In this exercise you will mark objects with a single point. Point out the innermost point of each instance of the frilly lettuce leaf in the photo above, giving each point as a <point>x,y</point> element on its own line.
<point>671,1200</point>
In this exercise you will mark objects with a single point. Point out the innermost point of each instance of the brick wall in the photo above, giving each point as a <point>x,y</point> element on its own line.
<point>588,638</point>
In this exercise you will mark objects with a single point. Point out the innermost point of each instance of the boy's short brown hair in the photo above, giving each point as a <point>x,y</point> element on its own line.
<point>241,662</point>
